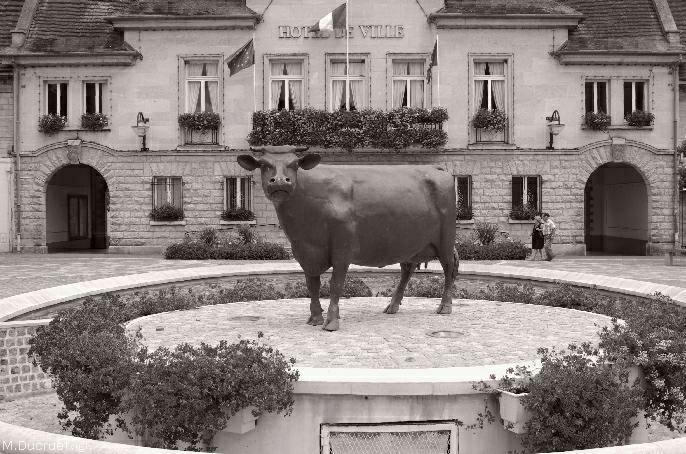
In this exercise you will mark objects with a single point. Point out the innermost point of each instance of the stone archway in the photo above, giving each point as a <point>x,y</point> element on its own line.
<point>616,210</point>
<point>76,203</point>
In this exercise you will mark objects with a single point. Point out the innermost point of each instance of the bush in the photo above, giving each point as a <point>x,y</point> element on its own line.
<point>51,123</point>
<point>397,129</point>
<point>238,214</point>
<point>505,250</point>
<point>247,235</point>
<point>251,289</point>
<point>88,356</point>
<point>492,120</point>
<point>639,118</point>
<point>101,375</point>
<point>486,232</point>
<point>523,212</point>
<point>578,402</point>
<point>352,287</point>
<point>188,394</point>
<point>652,337</point>
<point>597,121</point>
<point>94,121</point>
<point>209,236</point>
<point>682,177</point>
<point>197,250</point>
<point>515,293</point>
<point>166,212</point>
<point>200,121</point>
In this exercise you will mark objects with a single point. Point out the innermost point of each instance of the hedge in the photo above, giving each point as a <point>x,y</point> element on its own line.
<point>503,250</point>
<point>198,250</point>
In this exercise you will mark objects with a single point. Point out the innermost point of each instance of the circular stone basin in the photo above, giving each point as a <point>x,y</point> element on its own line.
<point>477,333</point>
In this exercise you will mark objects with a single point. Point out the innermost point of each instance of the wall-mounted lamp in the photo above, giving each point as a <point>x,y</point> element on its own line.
<point>141,129</point>
<point>554,126</point>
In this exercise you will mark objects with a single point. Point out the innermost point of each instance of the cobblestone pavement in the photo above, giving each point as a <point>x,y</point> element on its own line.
<point>20,273</point>
<point>485,332</point>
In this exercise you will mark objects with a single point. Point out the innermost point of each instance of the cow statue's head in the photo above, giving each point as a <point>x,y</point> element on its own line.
<point>279,168</point>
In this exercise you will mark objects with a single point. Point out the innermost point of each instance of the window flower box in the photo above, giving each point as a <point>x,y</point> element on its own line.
<point>597,121</point>
<point>512,411</point>
<point>94,121</point>
<point>200,128</point>
<point>166,212</point>
<point>51,123</point>
<point>639,118</point>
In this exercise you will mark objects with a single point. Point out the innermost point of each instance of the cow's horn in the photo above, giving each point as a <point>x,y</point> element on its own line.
<point>257,149</point>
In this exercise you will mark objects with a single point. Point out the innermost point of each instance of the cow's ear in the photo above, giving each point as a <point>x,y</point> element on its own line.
<point>309,161</point>
<point>248,162</point>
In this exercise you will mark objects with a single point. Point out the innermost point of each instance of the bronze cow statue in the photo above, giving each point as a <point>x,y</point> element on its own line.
<point>372,215</point>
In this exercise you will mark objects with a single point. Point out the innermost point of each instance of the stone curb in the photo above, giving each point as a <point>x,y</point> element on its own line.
<point>17,305</point>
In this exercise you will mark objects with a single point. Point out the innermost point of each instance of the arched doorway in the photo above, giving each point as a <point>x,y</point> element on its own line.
<point>76,202</point>
<point>616,211</point>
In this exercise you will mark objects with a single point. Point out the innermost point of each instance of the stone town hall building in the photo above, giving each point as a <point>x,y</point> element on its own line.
<point>610,190</point>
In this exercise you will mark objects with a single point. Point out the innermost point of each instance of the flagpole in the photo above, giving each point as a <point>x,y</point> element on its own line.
<point>438,72</point>
<point>254,83</point>
<point>347,61</point>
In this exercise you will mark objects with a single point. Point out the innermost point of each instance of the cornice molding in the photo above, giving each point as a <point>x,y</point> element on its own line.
<point>183,22</point>
<point>63,146</point>
<point>531,21</point>
<point>70,59</point>
<point>618,57</point>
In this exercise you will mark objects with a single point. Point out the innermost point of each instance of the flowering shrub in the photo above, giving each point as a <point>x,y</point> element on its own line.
<point>523,212</point>
<point>486,232</point>
<point>238,214</point>
<point>597,121</point>
<point>493,120</point>
<point>639,118</point>
<point>50,123</point>
<point>188,394</point>
<point>166,212</point>
<point>397,129</point>
<point>94,121</point>
<point>200,121</point>
<point>577,401</point>
<point>101,375</point>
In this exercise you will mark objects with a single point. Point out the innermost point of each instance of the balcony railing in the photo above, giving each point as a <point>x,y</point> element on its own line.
<point>487,136</point>
<point>197,137</point>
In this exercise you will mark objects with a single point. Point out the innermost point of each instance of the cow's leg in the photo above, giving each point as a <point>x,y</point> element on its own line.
<point>406,270</point>
<point>450,269</point>
<point>336,284</point>
<point>314,283</point>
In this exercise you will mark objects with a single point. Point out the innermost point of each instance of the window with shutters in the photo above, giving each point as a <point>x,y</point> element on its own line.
<point>57,98</point>
<point>463,197</point>
<point>238,193</point>
<point>597,96</point>
<point>635,96</point>
<point>167,191</point>
<point>526,197</point>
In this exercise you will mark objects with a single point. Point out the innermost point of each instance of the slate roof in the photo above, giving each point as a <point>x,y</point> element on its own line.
<point>678,8</point>
<point>81,26</point>
<point>9,13</point>
<point>500,7</point>
<point>189,8</point>
<point>616,25</point>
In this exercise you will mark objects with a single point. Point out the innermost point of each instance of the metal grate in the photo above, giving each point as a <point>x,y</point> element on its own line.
<point>390,439</point>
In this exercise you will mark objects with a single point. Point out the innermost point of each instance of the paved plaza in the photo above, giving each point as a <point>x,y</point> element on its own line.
<point>477,333</point>
<point>20,273</point>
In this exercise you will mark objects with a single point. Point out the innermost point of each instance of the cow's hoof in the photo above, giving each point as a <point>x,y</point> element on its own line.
<point>330,325</point>
<point>444,309</point>
<point>315,320</point>
<point>391,309</point>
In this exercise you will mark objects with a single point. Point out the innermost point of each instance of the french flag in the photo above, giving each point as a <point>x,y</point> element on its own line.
<point>334,20</point>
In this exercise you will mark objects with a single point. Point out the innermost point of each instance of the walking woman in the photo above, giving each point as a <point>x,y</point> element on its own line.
<point>537,239</point>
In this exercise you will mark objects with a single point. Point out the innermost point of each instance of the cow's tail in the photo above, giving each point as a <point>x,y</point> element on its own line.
<point>456,261</point>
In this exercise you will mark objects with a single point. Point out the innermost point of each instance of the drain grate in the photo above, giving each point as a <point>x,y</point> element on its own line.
<point>445,334</point>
